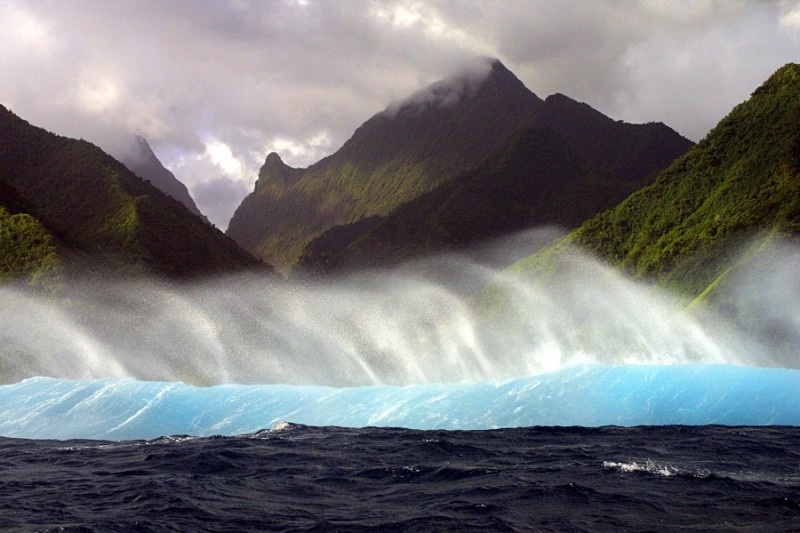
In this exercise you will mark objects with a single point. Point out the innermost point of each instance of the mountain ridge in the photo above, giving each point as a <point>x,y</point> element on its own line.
<point>409,149</point>
<point>389,159</point>
<point>504,195</point>
<point>495,199</point>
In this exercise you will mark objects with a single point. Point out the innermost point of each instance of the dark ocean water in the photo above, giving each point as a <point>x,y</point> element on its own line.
<point>300,478</point>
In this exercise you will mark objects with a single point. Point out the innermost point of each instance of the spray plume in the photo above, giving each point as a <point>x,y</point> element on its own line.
<point>393,327</point>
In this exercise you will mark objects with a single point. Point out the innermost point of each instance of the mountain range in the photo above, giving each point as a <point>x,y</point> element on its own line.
<point>440,146</point>
<point>471,158</point>
<point>65,205</point>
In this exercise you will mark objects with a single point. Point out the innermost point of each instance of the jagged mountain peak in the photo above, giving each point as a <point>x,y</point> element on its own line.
<point>561,107</point>
<point>479,107</point>
<point>560,99</point>
<point>142,142</point>
<point>141,152</point>
<point>501,75</point>
<point>275,171</point>
<point>273,158</point>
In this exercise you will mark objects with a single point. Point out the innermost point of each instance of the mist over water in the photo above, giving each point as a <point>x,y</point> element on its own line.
<point>405,326</point>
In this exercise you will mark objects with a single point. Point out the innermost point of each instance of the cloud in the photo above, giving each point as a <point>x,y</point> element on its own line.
<point>216,197</point>
<point>790,17</point>
<point>299,76</point>
<point>449,91</point>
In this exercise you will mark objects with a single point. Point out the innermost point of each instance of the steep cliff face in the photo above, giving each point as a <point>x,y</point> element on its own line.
<point>144,163</point>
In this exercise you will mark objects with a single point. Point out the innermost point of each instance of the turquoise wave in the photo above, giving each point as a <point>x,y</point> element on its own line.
<point>49,408</point>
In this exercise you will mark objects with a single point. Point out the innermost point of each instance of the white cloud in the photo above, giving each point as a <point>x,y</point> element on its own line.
<point>98,95</point>
<point>218,197</point>
<point>298,77</point>
<point>449,91</point>
<point>301,153</point>
<point>790,18</point>
<point>221,155</point>
<point>25,29</point>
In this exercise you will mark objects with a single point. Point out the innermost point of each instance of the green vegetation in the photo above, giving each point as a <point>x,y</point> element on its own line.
<point>71,206</point>
<point>28,252</point>
<point>741,181</point>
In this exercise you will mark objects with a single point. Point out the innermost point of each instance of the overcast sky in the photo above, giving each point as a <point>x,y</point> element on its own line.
<point>216,85</point>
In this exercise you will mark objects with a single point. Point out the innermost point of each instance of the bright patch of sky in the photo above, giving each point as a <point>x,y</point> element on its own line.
<point>26,29</point>
<point>790,18</point>
<point>221,155</point>
<point>304,152</point>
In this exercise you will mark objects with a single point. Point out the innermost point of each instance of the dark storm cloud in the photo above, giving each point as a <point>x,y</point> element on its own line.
<point>216,85</point>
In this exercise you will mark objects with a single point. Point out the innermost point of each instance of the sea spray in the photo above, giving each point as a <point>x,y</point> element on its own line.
<point>396,327</point>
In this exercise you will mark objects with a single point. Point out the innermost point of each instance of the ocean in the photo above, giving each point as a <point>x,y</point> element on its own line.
<point>303,478</point>
<point>127,455</point>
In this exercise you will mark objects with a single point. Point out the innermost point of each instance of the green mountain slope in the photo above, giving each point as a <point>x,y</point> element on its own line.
<point>29,253</point>
<point>537,179</point>
<point>71,202</point>
<point>741,181</point>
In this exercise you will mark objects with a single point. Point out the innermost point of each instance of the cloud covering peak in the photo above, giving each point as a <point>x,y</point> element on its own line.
<point>449,91</point>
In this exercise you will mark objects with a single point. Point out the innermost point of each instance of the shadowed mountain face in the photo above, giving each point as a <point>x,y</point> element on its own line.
<point>394,157</point>
<point>436,137</point>
<point>629,152</point>
<point>538,179</point>
<point>573,163</point>
<point>73,203</point>
<point>741,181</point>
<point>144,163</point>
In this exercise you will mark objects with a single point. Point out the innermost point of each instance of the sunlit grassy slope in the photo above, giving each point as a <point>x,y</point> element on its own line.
<point>688,229</point>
